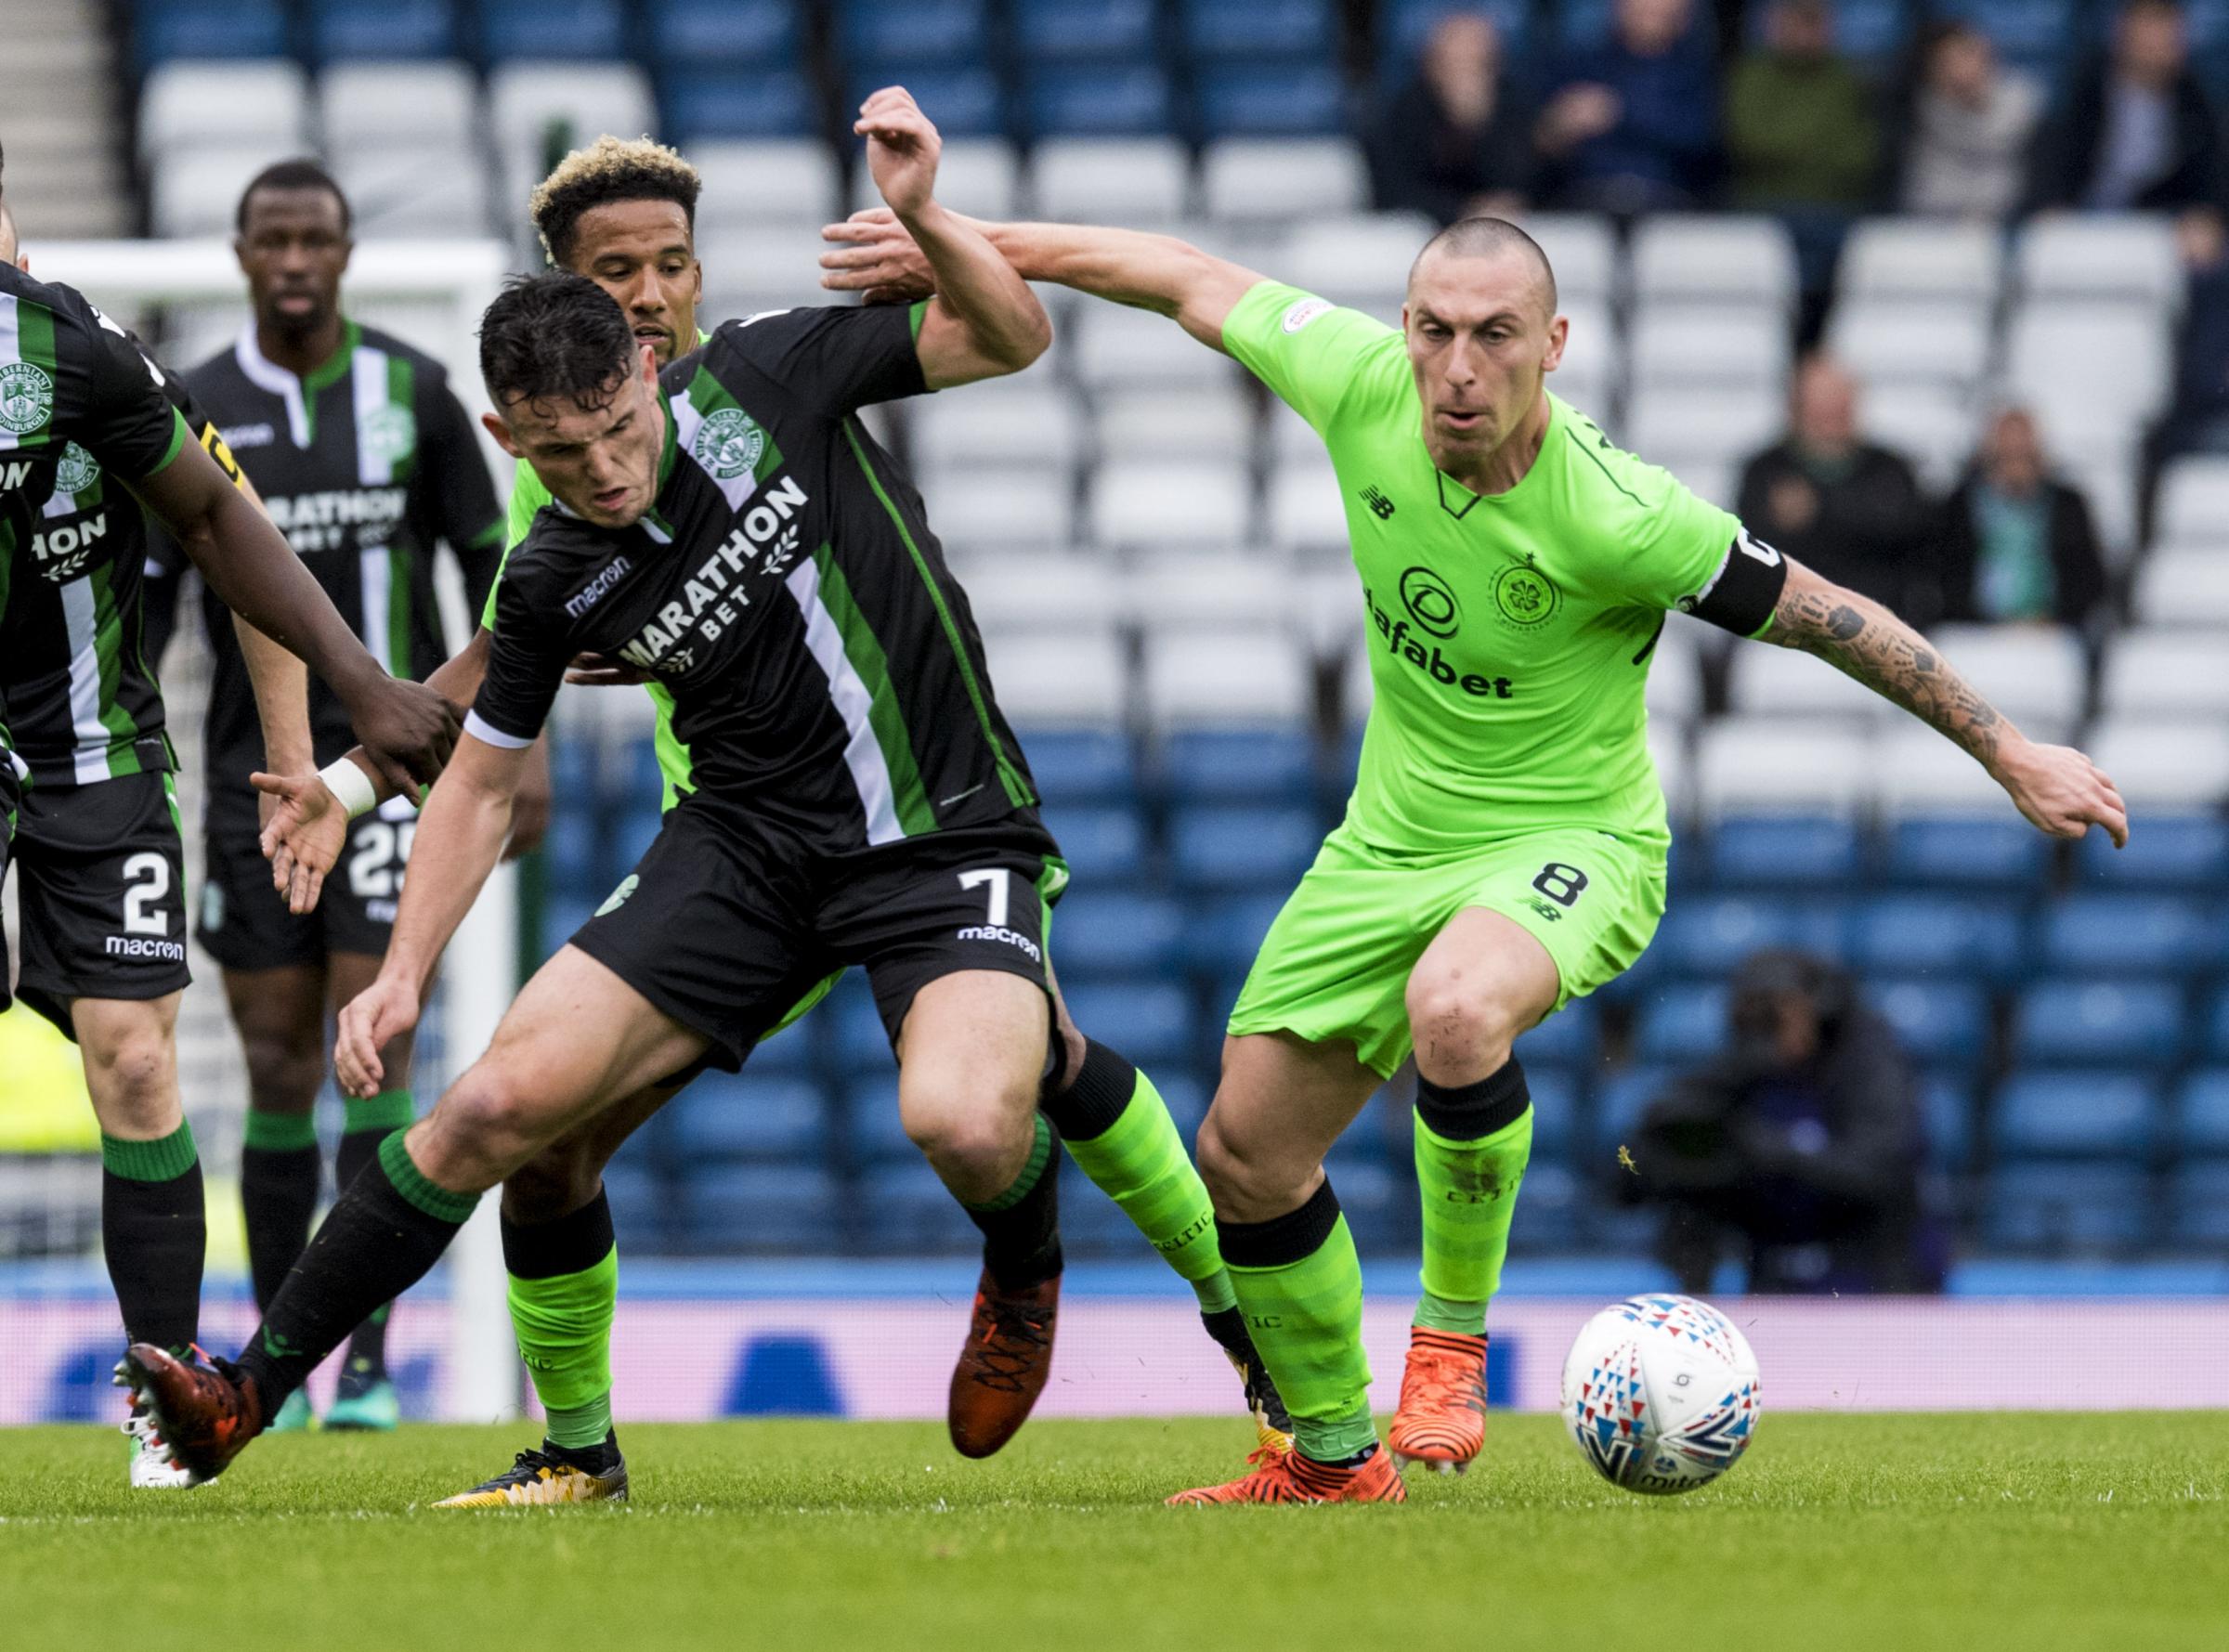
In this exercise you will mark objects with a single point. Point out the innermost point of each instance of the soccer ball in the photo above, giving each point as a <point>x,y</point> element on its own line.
<point>1661,1394</point>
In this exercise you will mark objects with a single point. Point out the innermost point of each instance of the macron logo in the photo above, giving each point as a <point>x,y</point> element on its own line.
<point>589,595</point>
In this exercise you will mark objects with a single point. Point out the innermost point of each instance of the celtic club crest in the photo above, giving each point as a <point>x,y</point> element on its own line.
<point>26,397</point>
<point>728,443</point>
<point>1526,596</point>
<point>76,471</point>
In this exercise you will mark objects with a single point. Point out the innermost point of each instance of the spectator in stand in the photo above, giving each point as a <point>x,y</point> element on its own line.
<point>2137,134</point>
<point>2013,545</point>
<point>1849,509</point>
<point>1969,125</point>
<point>1453,142</point>
<point>1632,126</point>
<point>1800,1151</point>
<point>1803,141</point>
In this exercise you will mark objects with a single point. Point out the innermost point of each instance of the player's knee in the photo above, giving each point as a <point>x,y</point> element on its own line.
<point>1245,1182</point>
<point>487,1126</point>
<point>283,1073</point>
<point>1458,1026</point>
<point>972,1130</point>
<point>131,1072</point>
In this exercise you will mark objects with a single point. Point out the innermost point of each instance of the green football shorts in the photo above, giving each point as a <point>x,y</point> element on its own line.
<point>1335,964</point>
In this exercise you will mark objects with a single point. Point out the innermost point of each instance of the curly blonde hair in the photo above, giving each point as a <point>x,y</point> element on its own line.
<point>607,170</point>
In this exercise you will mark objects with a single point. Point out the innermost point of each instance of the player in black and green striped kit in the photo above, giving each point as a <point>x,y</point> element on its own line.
<point>368,462</point>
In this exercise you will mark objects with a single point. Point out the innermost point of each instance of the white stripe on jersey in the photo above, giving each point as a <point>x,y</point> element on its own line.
<point>687,420</point>
<point>377,574</point>
<point>367,384</point>
<point>862,753</point>
<point>91,758</point>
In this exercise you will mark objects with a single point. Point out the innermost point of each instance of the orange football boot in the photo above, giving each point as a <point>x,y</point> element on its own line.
<point>205,1415</point>
<point>1442,1417</point>
<point>1287,1477</point>
<point>1003,1367</point>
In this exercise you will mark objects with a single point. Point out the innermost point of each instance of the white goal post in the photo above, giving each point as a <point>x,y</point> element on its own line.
<point>435,292</point>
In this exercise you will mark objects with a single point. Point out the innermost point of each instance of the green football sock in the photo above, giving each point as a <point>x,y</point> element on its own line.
<point>1300,1284</point>
<point>1116,1128</point>
<point>564,1293</point>
<point>1472,1143</point>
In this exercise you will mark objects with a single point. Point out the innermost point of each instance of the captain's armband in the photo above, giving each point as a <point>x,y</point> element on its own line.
<point>1742,594</point>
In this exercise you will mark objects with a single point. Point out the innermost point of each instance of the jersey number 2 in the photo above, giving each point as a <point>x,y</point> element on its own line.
<point>149,876</point>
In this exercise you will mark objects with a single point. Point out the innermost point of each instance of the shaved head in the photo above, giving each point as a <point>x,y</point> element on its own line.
<point>1486,238</point>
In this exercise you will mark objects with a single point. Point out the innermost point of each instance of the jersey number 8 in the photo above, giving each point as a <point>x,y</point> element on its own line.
<point>1560,883</point>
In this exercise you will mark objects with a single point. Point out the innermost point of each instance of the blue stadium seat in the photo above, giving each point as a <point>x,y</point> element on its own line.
<point>1793,853</point>
<point>1403,25</point>
<point>873,1130</point>
<point>209,28</point>
<point>792,1053</point>
<point>641,1206</point>
<point>2071,1114</point>
<point>1079,765</point>
<point>388,30</point>
<point>912,34</point>
<point>562,916</point>
<point>965,99</point>
<point>1620,1101</point>
<point>1255,29</point>
<point>1928,935</point>
<point>2059,1209</point>
<point>726,1115</point>
<point>2138,1025</point>
<point>758,1207</point>
<point>1379,1204</point>
<point>1091,1224</point>
<point>572,849</point>
<point>1548,1212</point>
<point>1102,846</point>
<point>1682,1023</point>
<point>633,833</point>
<point>1946,1118</point>
<point>1567,1037</point>
<point>2141,934</point>
<point>644,777</point>
<point>1222,937</point>
<point>1939,1023</point>
<point>2172,851</point>
<point>1186,1097</point>
<point>1270,101</point>
<point>1131,99</point>
<point>1151,1022</point>
<point>2202,1114</point>
<point>685,34</point>
<point>1969,856</point>
<point>1269,765</point>
<point>856,1041</point>
<point>1077,30</point>
<point>1712,936</point>
<point>2214,1034</point>
<point>1112,933</point>
<point>1555,1092</point>
<point>1237,849</point>
<point>1382,1136</point>
<point>911,1212</point>
<point>540,28</point>
<point>2197,1204</point>
<point>703,103</point>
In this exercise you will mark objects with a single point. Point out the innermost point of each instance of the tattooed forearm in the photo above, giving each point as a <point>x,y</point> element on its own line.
<point>1864,640</point>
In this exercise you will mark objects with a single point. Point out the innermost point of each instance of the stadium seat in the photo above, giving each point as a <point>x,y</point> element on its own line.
<point>1897,342</point>
<point>1775,852</point>
<point>1102,846</point>
<point>1688,344</point>
<point>1210,420</point>
<point>1093,30</point>
<point>1100,932</point>
<point>1361,261</point>
<point>2154,674</point>
<point>2130,259</point>
<point>1258,29</point>
<point>204,29</point>
<point>1149,505</point>
<point>1016,507</point>
<point>1298,100</point>
<point>2159,764</point>
<point>855,1041</point>
<point>1128,99</point>
<point>1937,937</point>
<point>538,107</point>
<point>891,35</point>
<point>911,1212</point>
<point>2215,1033</point>
<point>971,102</point>
<point>368,107</point>
<point>1174,595</point>
<point>2183,586</point>
<point>1751,765</point>
<point>1621,1101</point>
<point>2171,852</point>
<point>2068,1209</point>
<point>1124,181</point>
<point>2092,371</point>
<point>1947,1120</point>
<point>726,1116</point>
<point>1932,424</point>
<point>1582,250</point>
<point>1940,1025</point>
<point>1565,1039</point>
<point>977,174</point>
<point>793,1053</point>
<point>423,192</point>
<point>1677,427</point>
<point>191,106</point>
<point>1112,346</point>
<point>2123,935</point>
<point>760,1208</point>
<point>2100,1115</point>
<point>2197,1202</point>
<point>642,1204</point>
<point>873,1131</point>
<point>1226,933</point>
<point>1682,1024</point>
<point>2038,675</point>
<point>1897,260</point>
<point>1555,1093</point>
<point>1594,362</point>
<point>1209,679</point>
<point>751,182</point>
<point>2201,1114</point>
<point>1225,847</point>
<point>692,32</point>
<point>584,29</point>
<point>1771,683</point>
<point>1275,181</point>
<point>1077,765</point>
<point>2194,501</point>
<point>1151,1022</point>
<point>2135,1025</point>
<point>388,30</point>
<point>1727,259</point>
<point>1967,856</point>
<point>1024,424</point>
<point>1712,934</point>
<point>1271,765</point>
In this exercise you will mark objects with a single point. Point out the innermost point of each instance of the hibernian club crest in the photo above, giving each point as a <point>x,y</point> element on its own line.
<point>26,397</point>
<point>728,443</point>
<point>76,471</point>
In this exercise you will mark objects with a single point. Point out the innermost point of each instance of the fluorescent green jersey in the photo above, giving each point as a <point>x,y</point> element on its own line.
<point>1509,634</point>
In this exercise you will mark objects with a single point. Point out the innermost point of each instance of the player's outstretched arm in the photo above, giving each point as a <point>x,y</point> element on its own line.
<point>985,321</point>
<point>874,255</point>
<point>463,830</point>
<point>2058,788</point>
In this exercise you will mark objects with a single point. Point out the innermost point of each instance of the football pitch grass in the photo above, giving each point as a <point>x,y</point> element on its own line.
<point>1886,1532</point>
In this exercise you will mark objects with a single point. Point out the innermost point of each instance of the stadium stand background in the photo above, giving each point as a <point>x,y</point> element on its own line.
<point>1155,553</point>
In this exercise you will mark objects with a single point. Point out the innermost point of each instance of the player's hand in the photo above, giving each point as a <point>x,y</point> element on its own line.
<point>2061,791</point>
<point>304,829</point>
<point>530,802</point>
<point>407,729</point>
<point>604,670</point>
<point>901,148</point>
<point>875,256</point>
<point>381,1011</point>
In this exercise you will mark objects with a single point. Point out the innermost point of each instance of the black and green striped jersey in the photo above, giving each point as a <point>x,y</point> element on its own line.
<point>84,411</point>
<point>366,465</point>
<point>826,673</point>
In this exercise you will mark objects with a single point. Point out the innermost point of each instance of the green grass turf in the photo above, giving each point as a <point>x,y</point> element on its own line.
<point>1888,1532</point>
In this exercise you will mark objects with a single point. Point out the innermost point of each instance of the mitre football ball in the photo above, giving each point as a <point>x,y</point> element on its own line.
<point>1661,1394</point>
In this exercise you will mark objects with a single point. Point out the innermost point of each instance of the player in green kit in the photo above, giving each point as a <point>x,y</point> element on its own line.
<point>1504,850</point>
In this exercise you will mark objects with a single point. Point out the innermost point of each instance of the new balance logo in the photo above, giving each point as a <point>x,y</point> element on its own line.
<point>1380,506</point>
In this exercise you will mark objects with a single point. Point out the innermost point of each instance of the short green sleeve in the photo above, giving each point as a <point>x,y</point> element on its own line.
<point>528,497</point>
<point>1307,349</point>
<point>1675,562</point>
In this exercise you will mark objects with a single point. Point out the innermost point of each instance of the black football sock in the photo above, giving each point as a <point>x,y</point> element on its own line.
<point>153,1235</point>
<point>279,1171</point>
<point>1021,1234</point>
<point>385,1235</point>
<point>369,1124</point>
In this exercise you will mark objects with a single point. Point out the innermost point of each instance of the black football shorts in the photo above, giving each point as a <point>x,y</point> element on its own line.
<point>245,923</point>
